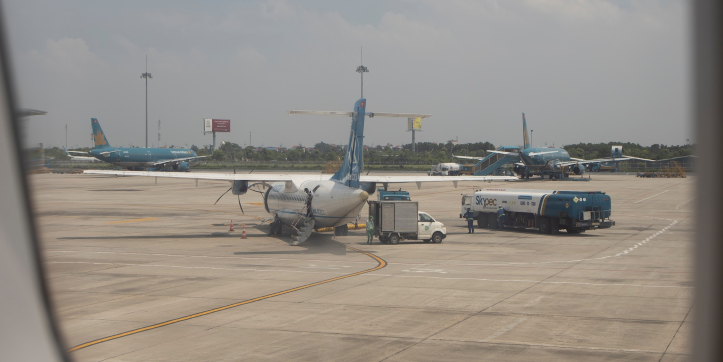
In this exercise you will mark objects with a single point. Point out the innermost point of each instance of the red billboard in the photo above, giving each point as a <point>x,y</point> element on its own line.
<point>216,125</point>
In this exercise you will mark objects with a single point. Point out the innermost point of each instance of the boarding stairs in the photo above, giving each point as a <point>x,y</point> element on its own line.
<point>304,226</point>
<point>494,161</point>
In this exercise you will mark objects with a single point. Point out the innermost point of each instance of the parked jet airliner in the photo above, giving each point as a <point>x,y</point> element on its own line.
<point>151,159</point>
<point>337,199</point>
<point>538,160</point>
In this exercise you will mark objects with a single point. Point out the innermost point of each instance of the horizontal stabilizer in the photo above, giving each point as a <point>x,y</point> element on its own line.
<point>404,115</point>
<point>324,113</point>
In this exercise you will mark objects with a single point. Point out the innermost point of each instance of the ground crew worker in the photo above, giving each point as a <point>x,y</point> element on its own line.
<point>470,221</point>
<point>309,198</point>
<point>370,229</point>
<point>500,217</point>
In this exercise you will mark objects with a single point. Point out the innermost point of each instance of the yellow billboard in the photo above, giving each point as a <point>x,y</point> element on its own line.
<point>414,124</point>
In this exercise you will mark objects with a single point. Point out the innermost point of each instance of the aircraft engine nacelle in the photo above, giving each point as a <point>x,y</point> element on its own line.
<point>369,187</point>
<point>182,167</point>
<point>578,170</point>
<point>240,187</point>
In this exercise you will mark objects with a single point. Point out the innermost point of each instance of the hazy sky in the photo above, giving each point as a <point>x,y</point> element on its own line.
<point>582,71</point>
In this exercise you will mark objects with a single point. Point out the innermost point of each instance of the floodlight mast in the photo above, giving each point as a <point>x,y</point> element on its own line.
<point>146,75</point>
<point>361,70</point>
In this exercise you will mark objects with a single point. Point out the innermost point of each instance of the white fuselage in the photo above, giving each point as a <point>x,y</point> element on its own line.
<point>333,203</point>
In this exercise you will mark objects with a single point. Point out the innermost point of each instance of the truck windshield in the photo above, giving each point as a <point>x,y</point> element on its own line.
<point>425,218</point>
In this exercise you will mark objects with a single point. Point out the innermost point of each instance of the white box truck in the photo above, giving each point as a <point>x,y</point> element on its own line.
<point>402,220</point>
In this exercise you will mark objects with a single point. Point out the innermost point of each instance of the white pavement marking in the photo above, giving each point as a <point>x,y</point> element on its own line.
<point>685,202</point>
<point>504,329</point>
<point>659,193</point>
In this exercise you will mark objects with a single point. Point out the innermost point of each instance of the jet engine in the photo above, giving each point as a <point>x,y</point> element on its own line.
<point>578,170</point>
<point>182,167</point>
<point>240,187</point>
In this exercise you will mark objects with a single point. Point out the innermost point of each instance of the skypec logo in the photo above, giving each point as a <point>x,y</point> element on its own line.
<point>485,202</point>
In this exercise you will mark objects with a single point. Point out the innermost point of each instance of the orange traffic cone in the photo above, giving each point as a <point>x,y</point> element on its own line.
<point>231,228</point>
<point>243,235</point>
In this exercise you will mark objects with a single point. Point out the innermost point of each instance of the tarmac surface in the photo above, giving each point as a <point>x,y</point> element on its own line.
<point>158,261</point>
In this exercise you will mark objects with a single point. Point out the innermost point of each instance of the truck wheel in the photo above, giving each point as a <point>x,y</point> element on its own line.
<point>554,226</point>
<point>393,239</point>
<point>437,237</point>
<point>545,225</point>
<point>574,231</point>
<point>344,230</point>
<point>491,222</point>
<point>383,239</point>
<point>482,220</point>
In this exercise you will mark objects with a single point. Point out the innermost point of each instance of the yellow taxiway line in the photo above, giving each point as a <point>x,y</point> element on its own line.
<point>380,261</point>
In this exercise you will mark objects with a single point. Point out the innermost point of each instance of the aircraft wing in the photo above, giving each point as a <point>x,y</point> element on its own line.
<point>404,115</point>
<point>259,177</point>
<point>469,157</point>
<point>419,179</point>
<point>541,153</point>
<point>164,162</point>
<point>514,154</point>
<point>324,113</point>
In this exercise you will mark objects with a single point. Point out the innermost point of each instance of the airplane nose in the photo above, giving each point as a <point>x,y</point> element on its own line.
<point>363,195</point>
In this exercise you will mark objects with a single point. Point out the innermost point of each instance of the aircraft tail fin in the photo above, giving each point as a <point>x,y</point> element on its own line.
<point>352,166</point>
<point>99,139</point>
<point>525,135</point>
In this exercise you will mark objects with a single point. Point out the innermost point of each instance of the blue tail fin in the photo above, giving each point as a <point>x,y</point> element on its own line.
<point>525,137</point>
<point>98,136</point>
<point>348,174</point>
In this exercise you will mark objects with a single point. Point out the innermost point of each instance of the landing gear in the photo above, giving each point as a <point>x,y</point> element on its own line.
<point>275,228</point>
<point>341,230</point>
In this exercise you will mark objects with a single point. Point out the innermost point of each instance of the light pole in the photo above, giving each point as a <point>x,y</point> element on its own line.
<point>361,70</point>
<point>146,75</point>
<point>532,130</point>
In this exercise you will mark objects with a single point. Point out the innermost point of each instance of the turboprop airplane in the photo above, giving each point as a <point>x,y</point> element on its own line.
<point>151,159</point>
<point>337,200</point>
<point>552,161</point>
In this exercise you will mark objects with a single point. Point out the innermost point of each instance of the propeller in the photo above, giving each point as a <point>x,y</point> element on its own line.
<point>231,188</point>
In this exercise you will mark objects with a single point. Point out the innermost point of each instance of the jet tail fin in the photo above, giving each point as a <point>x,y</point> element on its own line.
<point>525,136</point>
<point>99,139</point>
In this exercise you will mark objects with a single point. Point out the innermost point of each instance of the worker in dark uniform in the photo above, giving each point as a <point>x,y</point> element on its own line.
<point>309,198</point>
<point>370,229</point>
<point>470,221</point>
<point>500,217</point>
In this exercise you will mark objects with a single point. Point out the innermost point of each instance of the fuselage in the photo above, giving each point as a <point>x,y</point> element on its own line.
<point>537,159</point>
<point>139,157</point>
<point>333,203</point>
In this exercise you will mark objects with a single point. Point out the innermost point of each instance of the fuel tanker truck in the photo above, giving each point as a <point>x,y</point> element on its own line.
<point>549,211</point>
